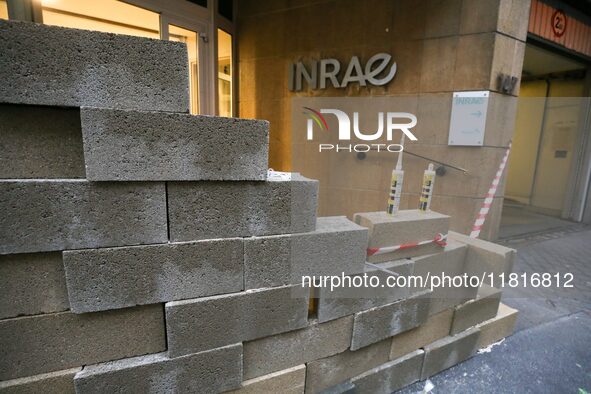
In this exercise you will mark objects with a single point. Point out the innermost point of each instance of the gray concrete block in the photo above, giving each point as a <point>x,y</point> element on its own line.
<point>282,351</point>
<point>498,327</point>
<point>450,261</point>
<point>154,146</point>
<point>40,142</point>
<point>212,371</point>
<point>392,375</point>
<point>341,388</point>
<point>473,312</point>
<point>231,318</point>
<point>379,323</point>
<point>449,351</point>
<point>111,278</point>
<point>206,210</point>
<point>407,226</point>
<point>337,246</point>
<point>44,343</point>
<point>486,257</point>
<point>343,301</point>
<point>436,327</point>
<point>48,215</point>
<point>31,284</point>
<point>288,381</point>
<point>49,65</point>
<point>60,382</point>
<point>331,371</point>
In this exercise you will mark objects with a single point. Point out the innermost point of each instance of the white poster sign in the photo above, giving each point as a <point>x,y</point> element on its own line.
<point>468,118</point>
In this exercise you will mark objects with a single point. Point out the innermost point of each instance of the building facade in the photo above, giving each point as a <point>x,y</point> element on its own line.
<point>241,53</point>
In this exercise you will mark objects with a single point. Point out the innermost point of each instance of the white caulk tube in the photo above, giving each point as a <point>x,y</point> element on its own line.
<point>427,189</point>
<point>396,183</point>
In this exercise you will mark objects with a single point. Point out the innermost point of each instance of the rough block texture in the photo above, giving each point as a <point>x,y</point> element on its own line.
<point>111,278</point>
<point>44,343</point>
<point>296,347</point>
<point>155,146</point>
<point>40,216</point>
<point>343,301</point>
<point>484,256</point>
<point>331,371</point>
<point>40,142</point>
<point>392,375</point>
<point>449,351</point>
<point>31,284</point>
<point>473,312</point>
<point>288,381</point>
<point>232,318</point>
<point>498,327</point>
<point>48,65</point>
<point>205,210</point>
<point>337,246</point>
<point>435,328</point>
<point>385,321</point>
<point>407,226</point>
<point>451,261</point>
<point>215,370</point>
<point>60,382</point>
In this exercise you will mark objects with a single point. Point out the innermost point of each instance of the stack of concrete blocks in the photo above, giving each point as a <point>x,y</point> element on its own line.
<point>145,250</point>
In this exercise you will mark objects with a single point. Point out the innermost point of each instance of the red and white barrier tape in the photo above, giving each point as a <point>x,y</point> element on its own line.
<point>439,240</point>
<point>488,200</point>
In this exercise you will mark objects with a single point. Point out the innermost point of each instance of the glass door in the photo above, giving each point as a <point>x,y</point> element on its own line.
<point>191,39</point>
<point>193,35</point>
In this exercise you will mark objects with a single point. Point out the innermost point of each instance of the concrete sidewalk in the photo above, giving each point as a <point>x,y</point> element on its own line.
<point>550,351</point>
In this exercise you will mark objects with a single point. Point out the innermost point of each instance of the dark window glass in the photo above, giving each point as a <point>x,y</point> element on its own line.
<point>202,3</point>
<point>226,8</point>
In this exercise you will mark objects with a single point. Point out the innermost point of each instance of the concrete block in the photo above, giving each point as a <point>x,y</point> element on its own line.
<point>277,206</point>
<point>473,312</point>
<point>342,388</point>
<point>343,301</point>
<point>44,343</point>
<point>288,381</point>
<point>498,327</point>
<point>448,264</point>
<point>215,370</point>
<point>486,257</point>
<point>48,215</point>
<point>60,382</point>
<point>155,146</point>
<point>111,278</point>
<point>392,375</point>
<point>286,350</point>
<point>40,142</point>
<point>31,284</point>
<point>379,323</point>
<point>449,351</point>
<point>435,328</point>
<point>231,318</point>
<point>49,65</point>
<point>337,246</point>
<point>331,371</point>
<point>407,226</point>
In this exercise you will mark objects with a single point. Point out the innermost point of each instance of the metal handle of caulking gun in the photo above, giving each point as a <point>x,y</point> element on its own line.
<point>362,155</point>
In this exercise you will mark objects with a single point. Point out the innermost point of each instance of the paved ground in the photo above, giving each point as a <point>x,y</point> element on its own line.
<point>550,351</point>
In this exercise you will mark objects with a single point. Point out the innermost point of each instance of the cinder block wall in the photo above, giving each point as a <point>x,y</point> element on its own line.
<point>439,46</point>
<point>145,263</point>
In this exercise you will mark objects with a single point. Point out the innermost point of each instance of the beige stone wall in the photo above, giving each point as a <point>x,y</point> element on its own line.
<point>439,46</point>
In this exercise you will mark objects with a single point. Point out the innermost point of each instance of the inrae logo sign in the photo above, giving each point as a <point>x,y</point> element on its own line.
<point>387,122</point>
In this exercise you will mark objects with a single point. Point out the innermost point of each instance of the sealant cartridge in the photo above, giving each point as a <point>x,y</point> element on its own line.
<point>427,189</point>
